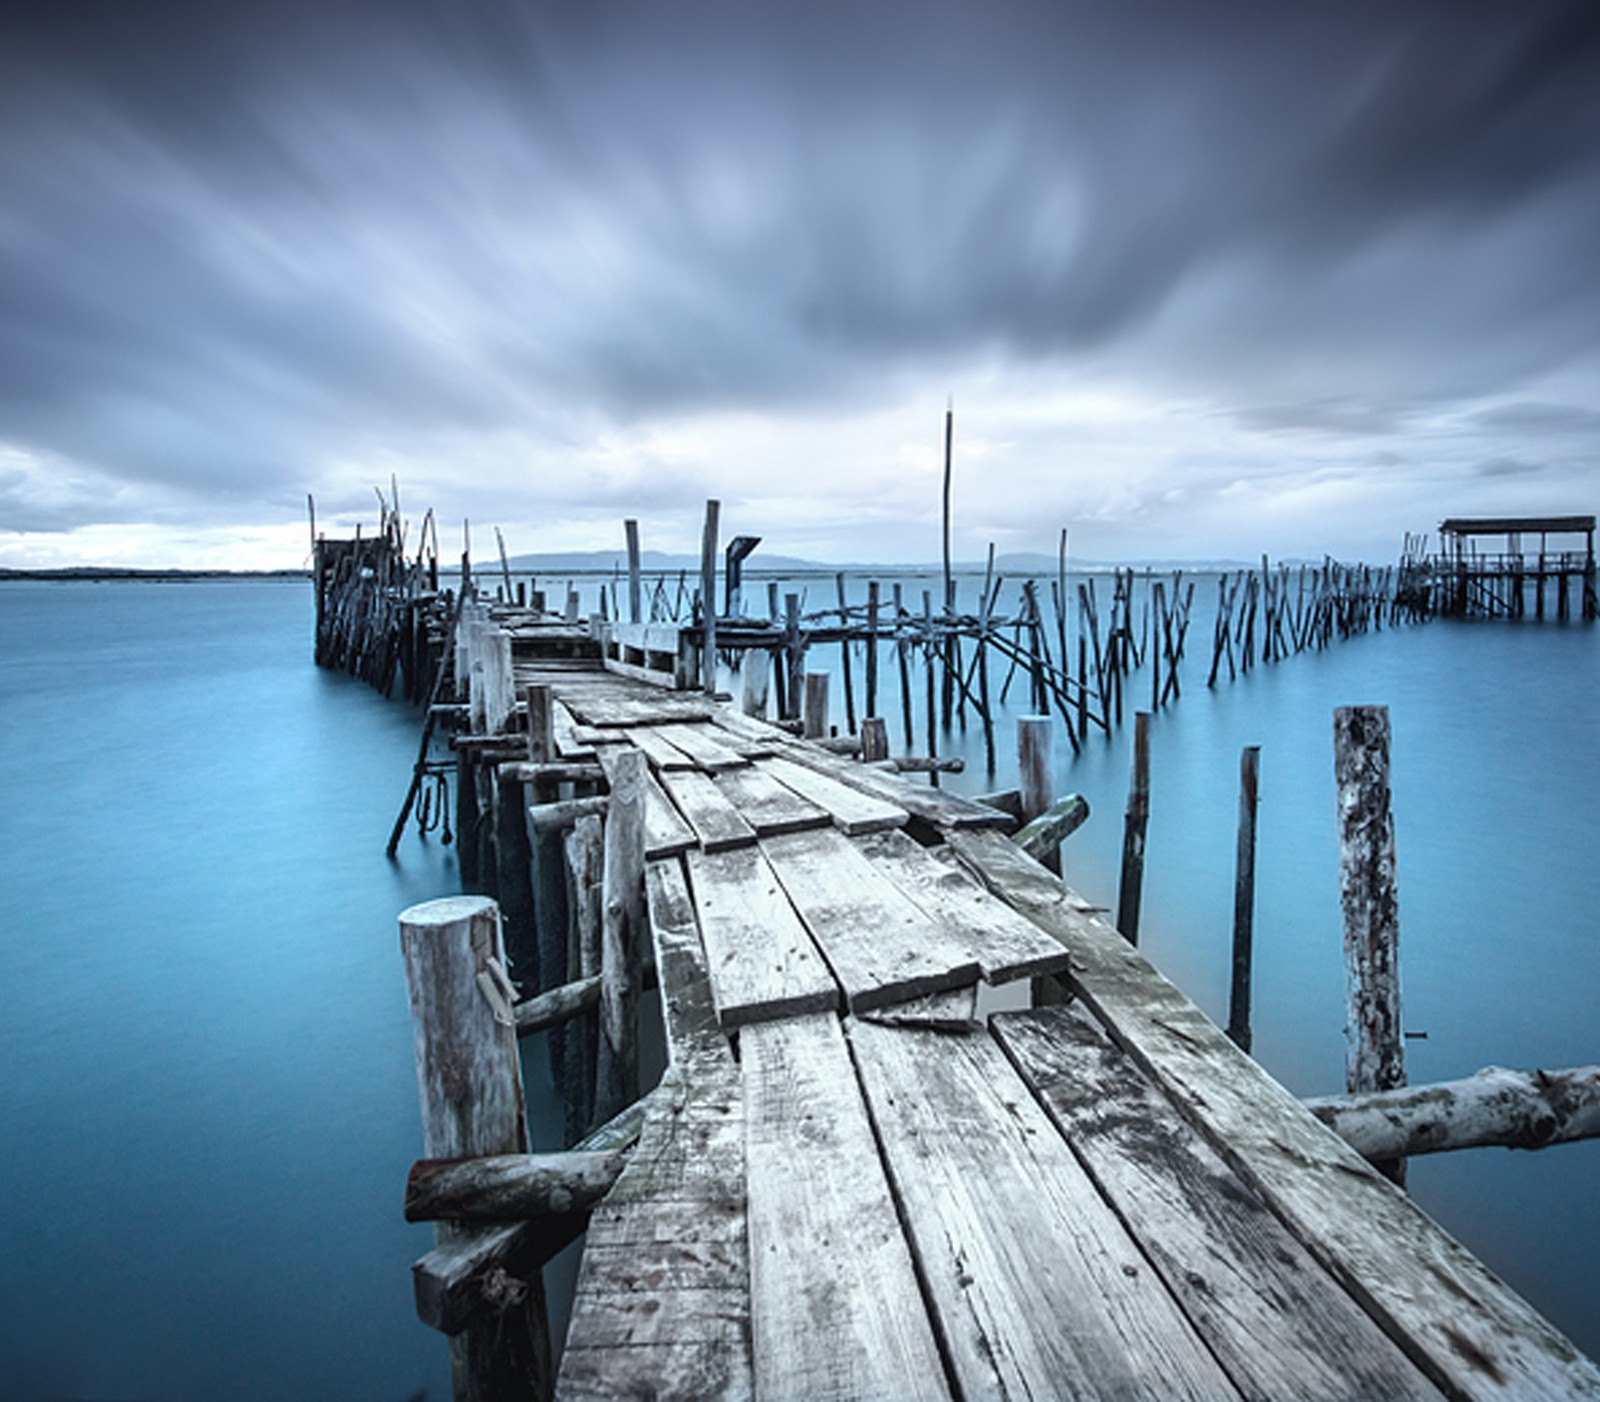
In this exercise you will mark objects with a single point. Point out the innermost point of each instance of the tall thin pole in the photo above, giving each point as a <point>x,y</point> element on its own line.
<point>1244,898</point>
<point>1131,886</point>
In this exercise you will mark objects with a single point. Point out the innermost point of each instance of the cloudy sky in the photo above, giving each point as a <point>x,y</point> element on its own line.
<point>1202,277</point>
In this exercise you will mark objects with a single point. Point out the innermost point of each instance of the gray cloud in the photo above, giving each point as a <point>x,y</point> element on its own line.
<point>241,245</point>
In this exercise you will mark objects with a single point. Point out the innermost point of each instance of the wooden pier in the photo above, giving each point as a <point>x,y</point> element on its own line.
<point>1462,581</point>
<point>854,1180</point>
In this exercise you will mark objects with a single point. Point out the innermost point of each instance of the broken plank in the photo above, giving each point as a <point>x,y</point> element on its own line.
<point>1038,1287</point>
<point>835,1309</point>
<point>852,811</point>
<point>717,824</point>
<point>881,946</point>
<point>760,957</point>
<point>1279,1323</point>
<point>953,1011</point>
<point>1465,1328</point>
<point>688,1010</point>
<point>699,744</point>
<point>661,752</point>
<point>768,805</point>
<point>1006,945</point>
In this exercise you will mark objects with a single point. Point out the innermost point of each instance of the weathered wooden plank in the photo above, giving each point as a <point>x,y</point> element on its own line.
<point>768,805</point>
<point>641,706</point>
<point>1038,1287</point>
<point>1459,1323</point>
<point>688,1011</point>
<point>661,752</point>
<point>881,946</point>
<point>760,957</point>
<point>835,1310</point>
<point>571,742</point>
<point>697,742</point>
<point>1006,945</point>
<point>665,831</point>
<point>717,824</point>
<point>853,812</point>
<point>952,1011</point>
<point>1279,1323</point>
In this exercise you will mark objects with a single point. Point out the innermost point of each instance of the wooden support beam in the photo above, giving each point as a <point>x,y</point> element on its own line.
<point>1041,838</point>
<point>557,1006</point>
<point>623,933</point>
<point>1495,1106</point>
<point>510,1187</point>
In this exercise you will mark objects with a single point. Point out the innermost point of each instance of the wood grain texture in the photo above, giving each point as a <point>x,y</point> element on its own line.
<point>880,945</point>
<point>1006,945</point>
<point>952,1011</point>
<point>1038,1287</point>
<point>717,824</point>
<point>760,956</point>
<point>665,831</point>
<point>700,744</point>
<point>768,805</point>
<point>661,752</point>
<point>1279,1323</point>
<point>851,810</point>
<point>836,1311</point>
<point>1458,1322</point>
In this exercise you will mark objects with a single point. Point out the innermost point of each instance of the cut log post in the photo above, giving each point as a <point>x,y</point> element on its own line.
<point>585,853</point>
<point>872,647</point>
<point>1244,898</point>
<point>756,665</point>
<point>1131,885</point>
<point>795,655</point>
<point>816,706</point>
<point>1033,765</point>
<point>541,724</point>
<point>1496,1106</point>
<point>630,530</point>
<point>874,739</point>
<point>1374,1043</point>
<point>510,1187</point>
<point>470,1086</point>
<point>708,598</point>
<point>622,934</point>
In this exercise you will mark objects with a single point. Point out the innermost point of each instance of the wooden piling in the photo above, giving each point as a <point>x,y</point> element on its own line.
<point>756,667</point>
<point>872,647</point>
<point>635,604</point>
<point>874,739</point>
<point>1131,885</point>
<point>470,1085</point>
<point>844,659</point>
<point>814,718</point>
<point>708,598</point>
<point>1244,898</point>
<point>1374,1046</point>
<point>623,934</point>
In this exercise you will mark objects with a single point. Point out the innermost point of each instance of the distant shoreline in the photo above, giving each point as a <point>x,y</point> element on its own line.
<point>95,574</point>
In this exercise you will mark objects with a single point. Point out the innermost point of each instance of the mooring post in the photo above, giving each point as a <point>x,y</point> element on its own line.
<point>756,665</point>
<point>1244,898</point>
<point>1131,886</point>
<point>622,936</point>
<point>795,655</point>
<point>1374,1042</point>
<point>874,739</point>
<point>815,717</point>
<point>470,1086</point>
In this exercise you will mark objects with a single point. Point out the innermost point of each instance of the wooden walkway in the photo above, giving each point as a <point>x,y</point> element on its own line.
<point>852,1185</point>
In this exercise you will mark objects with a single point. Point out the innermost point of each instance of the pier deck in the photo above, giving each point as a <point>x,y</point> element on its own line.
<point>854,1184</point>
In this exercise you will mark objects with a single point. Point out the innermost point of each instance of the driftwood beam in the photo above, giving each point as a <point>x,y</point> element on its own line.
<point>574,772</point>
<point>557,1006</point>
<point>1496,1106</point>
<point>510,1187</point>
<point>1045,834</point>
<point>564,813</point>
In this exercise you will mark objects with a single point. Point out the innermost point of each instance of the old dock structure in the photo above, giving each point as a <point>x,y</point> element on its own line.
<point>1521,559</point>
<point>852,1179</point>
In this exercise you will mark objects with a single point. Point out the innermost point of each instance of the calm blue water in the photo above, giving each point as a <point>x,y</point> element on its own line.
<point>208,1095</point>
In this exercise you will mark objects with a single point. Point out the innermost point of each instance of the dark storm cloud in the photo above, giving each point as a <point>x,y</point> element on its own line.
<point>239,243</point>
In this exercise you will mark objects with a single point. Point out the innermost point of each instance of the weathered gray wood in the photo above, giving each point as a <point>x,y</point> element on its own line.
<point>630,530</point>
<point>1459,1323</point>
<point>874,739</point>
<point>717,824</point>
<point>509,1187</point>
<point>563,814</point>
<point>1042,836</point>
<point>622,938</point>
<point>1130,887</point>
<point>469,1083</point>
<point>768,805</point>
<point>663,754</point>
<point>756,669</point>
<point>688,1011</point>
<point>760,956</point>
<point>814,712</point>
<point>557,1006</point>
<point>665,831</point>
<point>1037,1286</point>
<point>708,598</point>
<point>1006,945</point>
<point>584,851</point>
<point>852,810</point>
<point>1244,898</point>
<point>881,946</point>
<point>697,742</point>
<point>835,1308</point>
<point>543,747</point>
<point>955,1010</point>
<point>638,705</point>
<point>1034,769</point>
<point>1279,1323</point>
<point>557,772</point>
<point>1375,1048</point>
<point>1494,1106</point>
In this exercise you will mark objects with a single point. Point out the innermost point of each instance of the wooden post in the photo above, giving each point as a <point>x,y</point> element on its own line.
<point>816,706</point>
<point>635,603</point>
<point>872,647</point>
<point>541,724</point>
<point>844,659</point>
<point>795,653</point>
<point>470,1086</point>
<point>756,665</point>
<point>874,739</point>
<point>708,598</point>
<point>933,651</point>
<point>1131,886</point>
<point>1244,898</point>
<point>585,852</point>
<point>1374,1046</point>
<point>1035,778</point>
<point>621,939</point>
<point>905,666</point>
